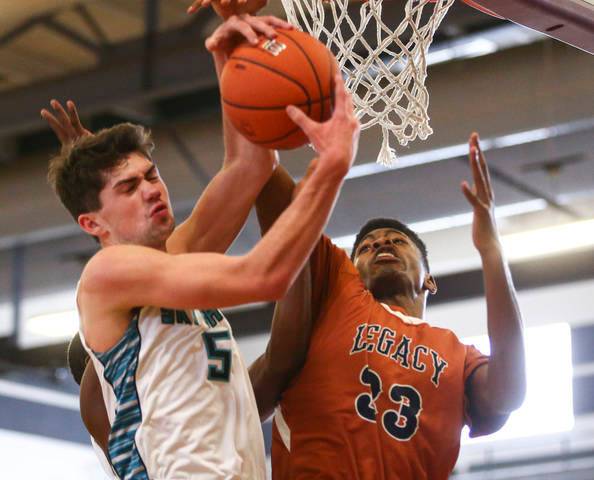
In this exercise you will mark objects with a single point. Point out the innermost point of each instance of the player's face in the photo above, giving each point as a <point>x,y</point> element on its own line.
<point>389,263</point>
<point>135,205</point>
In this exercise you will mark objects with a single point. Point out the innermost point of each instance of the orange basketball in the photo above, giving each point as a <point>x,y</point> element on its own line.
<point>259,81</point>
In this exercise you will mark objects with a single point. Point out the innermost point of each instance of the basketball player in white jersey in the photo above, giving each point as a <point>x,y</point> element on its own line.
<point>177,394</point>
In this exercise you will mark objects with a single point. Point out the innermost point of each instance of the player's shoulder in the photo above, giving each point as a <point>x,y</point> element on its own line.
<point>107,267</point>
<point>327,243</point>
<point>346,279</point>
<point>106,278</point>
<point>337,254</point>
<point>445,336</point>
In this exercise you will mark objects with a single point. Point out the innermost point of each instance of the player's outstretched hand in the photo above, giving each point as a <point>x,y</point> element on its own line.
<point>338,137</point>
<point>66,125</point>
<point>226,8</point>
<point>238,28</point>
<point>481,198</point>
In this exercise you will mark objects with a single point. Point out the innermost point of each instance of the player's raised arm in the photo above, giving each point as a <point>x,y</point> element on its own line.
<point>287,348</point>
<point>293,318</point>
<point>499,387</point>
<point>246,166</point>
<point>274,198</point>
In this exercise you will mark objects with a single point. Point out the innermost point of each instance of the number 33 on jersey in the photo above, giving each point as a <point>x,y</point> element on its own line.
<point>402,422</point>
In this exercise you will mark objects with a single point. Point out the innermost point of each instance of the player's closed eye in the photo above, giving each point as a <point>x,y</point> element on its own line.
<point>126,187</point>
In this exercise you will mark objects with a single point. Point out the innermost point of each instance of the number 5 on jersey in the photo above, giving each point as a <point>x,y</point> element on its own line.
<point>219,359</point>
<point>400,424</point>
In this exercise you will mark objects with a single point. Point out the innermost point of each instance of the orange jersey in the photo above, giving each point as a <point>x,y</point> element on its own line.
<point>381,395</point>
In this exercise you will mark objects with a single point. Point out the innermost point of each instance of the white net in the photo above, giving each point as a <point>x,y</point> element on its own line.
<point>385,66</point>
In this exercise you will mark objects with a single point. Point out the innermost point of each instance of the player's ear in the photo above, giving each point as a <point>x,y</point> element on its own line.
<point>430,284</point>
<point>90,224</point>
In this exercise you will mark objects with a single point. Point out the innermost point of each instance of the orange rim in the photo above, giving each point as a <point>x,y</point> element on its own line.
<point>476,5</point>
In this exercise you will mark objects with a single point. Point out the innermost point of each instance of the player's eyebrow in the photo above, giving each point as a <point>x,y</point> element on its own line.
<point>127,181</point>
<point>369,235</point>
<point>372,236</point>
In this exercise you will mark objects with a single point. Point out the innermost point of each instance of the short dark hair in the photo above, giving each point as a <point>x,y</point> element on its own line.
<point>77,174</point>
<point>394,224</point>
<point>77,358</point>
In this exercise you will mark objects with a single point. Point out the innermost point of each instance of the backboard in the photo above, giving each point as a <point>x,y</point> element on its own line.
<point>571,21</point>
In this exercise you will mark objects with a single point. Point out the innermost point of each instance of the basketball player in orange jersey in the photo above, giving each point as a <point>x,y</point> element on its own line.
<point>127,274</point>
<point>383,394</point>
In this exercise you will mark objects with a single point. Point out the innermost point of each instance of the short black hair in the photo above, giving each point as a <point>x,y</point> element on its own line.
<point>77,358</point>
<point>394,224</point>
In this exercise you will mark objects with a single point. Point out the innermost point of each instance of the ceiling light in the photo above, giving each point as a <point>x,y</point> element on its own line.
<point>546,241</point>
<point>457,220</point>
<point>541,367</point>
<point>57,325</point>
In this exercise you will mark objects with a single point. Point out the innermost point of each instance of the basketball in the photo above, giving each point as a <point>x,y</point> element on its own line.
<point>259,81</point>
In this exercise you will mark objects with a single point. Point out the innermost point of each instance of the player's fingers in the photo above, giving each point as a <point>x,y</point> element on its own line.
<point>261,26</point>
<point>74,118</point>
<point>470,196</point>
<point>60,114</point>
<point>477,174</point>
<point>223,34</point>
<point>277,22</point>
<point>241,26</point>
<point>349,111</point>
<point>214,43</point>
<point>196,5</point>
<point>484,167</point>
<point>338,94</point>
<point>349,102</point>
<point>55,125</point>
<point>342,101</point>
<point>63,118</point>
<point>211,43</point>
<point>300,119</point>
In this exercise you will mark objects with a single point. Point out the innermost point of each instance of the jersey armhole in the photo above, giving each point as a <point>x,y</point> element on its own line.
<point>477,424</point>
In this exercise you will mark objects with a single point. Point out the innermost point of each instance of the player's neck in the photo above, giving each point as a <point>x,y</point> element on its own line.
<point>414,307</point>
<point>162,246</point>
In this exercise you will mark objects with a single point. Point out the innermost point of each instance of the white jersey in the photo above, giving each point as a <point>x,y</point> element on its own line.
<point>179,399</point>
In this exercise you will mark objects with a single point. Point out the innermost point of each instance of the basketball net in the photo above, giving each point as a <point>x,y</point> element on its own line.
<point>384,72</point>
